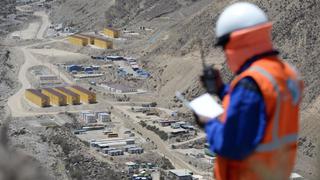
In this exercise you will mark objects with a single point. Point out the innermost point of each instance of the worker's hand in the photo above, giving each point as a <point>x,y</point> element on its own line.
<point>201,121</point>
<point>211,80</point>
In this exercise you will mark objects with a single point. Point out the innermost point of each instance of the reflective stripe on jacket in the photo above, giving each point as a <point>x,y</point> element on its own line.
<point>275,156</point>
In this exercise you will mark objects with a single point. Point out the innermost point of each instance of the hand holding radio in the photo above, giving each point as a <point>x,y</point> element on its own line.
<point>211,80</point>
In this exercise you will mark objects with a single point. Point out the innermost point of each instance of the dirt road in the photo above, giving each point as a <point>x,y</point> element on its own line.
<point>44,24</point>
<point>35,30</point>
<point>162,147</point>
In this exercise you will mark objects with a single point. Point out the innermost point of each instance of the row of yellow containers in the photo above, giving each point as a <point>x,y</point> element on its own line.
<point>84,40</point>
<point>36,97</point>
<point>72,98</point>
<point>86,96</point>
<point>111,32</point>
<point>55,97</point>
<point>60,96</point>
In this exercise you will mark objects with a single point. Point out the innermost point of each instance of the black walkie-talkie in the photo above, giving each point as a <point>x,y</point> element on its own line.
<point>209,76</point>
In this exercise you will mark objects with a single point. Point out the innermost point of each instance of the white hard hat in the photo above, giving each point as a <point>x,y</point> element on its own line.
<point>238,16</point>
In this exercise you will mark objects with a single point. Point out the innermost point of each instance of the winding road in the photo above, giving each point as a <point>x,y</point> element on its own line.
<point>37,30</point>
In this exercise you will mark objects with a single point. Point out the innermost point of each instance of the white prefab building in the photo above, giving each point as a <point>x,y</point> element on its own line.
<point>95,143</point>
<point>48,78</point>
<point>127,147</point>
<point>106,150</point>
<point>136,150</point>
<point>104,117</point>
<point>98,112</point>
<point>118,88</point>
<point>180,174</point>
<point>89,118</point>
<point>83,113</point>
<point>115,153</point>
<point>114,144</point>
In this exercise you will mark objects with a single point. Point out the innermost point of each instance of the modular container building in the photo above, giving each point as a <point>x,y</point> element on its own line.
<point>135,150</point>
<point>98,112</point>
<point>88,69</point>
<point>115,58</point>
<point>89,38</point>
<point>83,113</point>
<point>93,128</point>
<point>71,68</point>
<point>127,147</point>
<point>89,118</point>
<point>112,144</point>
<point>78,40</point>
<point>104,117</point>
<point>103,43</point>
<point>86,96</point>
<point>55,97</point>
<point>113,135</point>
<point>111,32</point>
<point>36,97</point>
<point>106,150</point>
<point>72,98</point>
<point>104,141</point>
<point>115,153</point>
<point>48,78</point>
<point>95,67</point>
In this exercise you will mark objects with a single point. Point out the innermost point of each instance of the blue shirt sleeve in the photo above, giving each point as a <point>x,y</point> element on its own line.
<point>245,123</point>
<point>224,90</point>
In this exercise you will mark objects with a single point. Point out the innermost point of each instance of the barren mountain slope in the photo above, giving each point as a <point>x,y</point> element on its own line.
<point>82,14</point>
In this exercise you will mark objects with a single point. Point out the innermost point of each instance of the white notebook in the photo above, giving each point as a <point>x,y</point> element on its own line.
<point>206,106</point>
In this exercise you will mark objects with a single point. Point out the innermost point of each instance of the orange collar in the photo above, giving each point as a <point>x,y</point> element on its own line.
<point>246,43</point>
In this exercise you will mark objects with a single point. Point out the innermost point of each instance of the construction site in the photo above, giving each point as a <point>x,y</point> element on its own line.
<point>88,88</point>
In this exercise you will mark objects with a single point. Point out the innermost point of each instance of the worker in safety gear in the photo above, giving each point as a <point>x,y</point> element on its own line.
<point>256,136</point>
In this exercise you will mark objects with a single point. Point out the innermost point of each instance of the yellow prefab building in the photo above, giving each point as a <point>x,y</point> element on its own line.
<point>72,98</point>
<point>111,32</point>
<point>55,97</point>
<point>89,38</point>
<point>86,96</point>
<point>78,40</point>
<point>103,43</point>
<point>36,97</point>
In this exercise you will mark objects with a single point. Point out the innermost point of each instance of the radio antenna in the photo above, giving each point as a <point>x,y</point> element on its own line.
<point>202,56</point>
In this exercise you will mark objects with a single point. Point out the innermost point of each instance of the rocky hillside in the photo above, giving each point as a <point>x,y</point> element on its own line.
<point>7,11</point>
<point>81,14</point>
<point>7,7</point>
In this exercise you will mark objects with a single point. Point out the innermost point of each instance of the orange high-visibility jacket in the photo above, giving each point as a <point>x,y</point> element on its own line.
<point>274,158</point>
